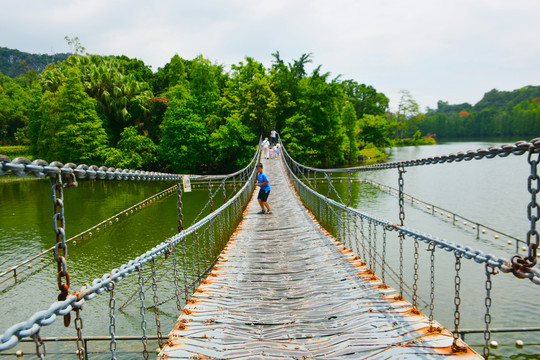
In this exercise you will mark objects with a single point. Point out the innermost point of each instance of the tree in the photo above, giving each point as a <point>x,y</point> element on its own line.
<point>184,138</point>
<point>14,108</point>
<point>316,136</point>
<point>70,129</point>
<point>407,114</point>
<point>284,82</point>
<point>374,129</point>
<point>351,129</point>
<point>134,151</point>
<point>172,74</point>
<point>233,143</point>
<point>249,96</point>
<point>75,45</point>
<point>365,98</point>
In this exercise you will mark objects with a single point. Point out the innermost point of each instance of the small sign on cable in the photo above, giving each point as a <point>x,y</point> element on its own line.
<point>187,183</point>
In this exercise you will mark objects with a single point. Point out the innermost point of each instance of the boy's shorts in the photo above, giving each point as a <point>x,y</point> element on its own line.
<point>263,195</point>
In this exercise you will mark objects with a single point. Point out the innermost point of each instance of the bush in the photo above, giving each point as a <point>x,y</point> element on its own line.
<point>15,151</point>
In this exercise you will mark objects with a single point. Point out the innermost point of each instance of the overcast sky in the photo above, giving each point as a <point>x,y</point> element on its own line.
<point>452,50</point>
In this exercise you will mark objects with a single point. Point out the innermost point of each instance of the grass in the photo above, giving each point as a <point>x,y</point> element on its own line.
<point>15,151</point>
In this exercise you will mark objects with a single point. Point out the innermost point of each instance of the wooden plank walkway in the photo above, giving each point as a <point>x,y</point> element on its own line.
<point>285,288</point>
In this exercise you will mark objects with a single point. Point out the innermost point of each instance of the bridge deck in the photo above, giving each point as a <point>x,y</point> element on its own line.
<point>285,288</point>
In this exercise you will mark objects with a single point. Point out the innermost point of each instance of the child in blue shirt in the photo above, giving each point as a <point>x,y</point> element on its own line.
<point>264,184</point>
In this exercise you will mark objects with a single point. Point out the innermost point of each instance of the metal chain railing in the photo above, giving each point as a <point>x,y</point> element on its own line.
<point>180,206</point>
<point>60,250</point>
<point>81,351</point>
<point>523,265</point>
<point>487,317</point>
<point>522,268</point>
<point>22,166</point>
<point>325,205</point>
<point>112,321</point>
<point>213,223</point>
<point>457,303</point>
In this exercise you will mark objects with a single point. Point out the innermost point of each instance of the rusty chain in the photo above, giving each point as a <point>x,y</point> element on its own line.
<point>523,265</point>
<point>179,207</point>
<point>60,249</point>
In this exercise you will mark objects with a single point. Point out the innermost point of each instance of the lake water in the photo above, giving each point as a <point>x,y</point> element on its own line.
<point>491,192</point>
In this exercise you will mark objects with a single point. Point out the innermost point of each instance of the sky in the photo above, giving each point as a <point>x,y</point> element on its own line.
<point>453,50</point>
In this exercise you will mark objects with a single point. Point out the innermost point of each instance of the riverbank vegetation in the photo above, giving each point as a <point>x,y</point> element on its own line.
<point>191,115</point>
<point>498,113</point>
<point>196,116</point>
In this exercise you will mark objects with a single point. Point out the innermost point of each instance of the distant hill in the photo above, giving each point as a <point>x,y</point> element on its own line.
<point>498,113</point>
<point>14,62</point>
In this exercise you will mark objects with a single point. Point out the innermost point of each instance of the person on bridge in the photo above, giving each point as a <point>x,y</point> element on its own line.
<point>273,139</point>
<point>265,145</point>
<point>264,184</point>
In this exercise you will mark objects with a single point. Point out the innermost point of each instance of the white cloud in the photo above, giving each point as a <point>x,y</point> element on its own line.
<point>439,50</point>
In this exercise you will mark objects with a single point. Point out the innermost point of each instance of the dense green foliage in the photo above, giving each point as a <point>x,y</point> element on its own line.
<point>190,116</point>
<point>14,62</point>
<point>498,113</point>
<point>194,116</point>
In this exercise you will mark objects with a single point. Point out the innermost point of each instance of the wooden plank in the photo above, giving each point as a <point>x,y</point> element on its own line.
<point>285,288</point>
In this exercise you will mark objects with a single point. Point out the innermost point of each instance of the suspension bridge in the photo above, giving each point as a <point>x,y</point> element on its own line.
<point>308,281</point>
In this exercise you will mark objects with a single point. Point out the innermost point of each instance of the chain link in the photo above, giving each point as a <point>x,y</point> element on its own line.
<point>81,350</point>
<point>142,312</point>
<point>185,267</point>
<point>41,350</point>
<point>383,261</point>
<point>180,207</point>
<point>374,265</point>
<point>224,191</point>
<point>112,321</point>
<point>415,277</point>
<point>401,171</point>
<point>176,285</point>
<point>156,304</point>
<point>362,240</point>
<point>519,263</point>
<point>349,188</point>
<point>487,302</point>
<point>329,179</point>
<point>431,249</point>
<point>457,302</point>
<point>60,250</point>
<point>210,195</point>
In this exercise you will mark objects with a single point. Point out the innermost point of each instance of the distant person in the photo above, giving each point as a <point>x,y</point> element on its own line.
<point>273,139</point>
<point>264,184</point>
<point>271,150</point>
<point>278,151</point>
<point>265,145</point>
